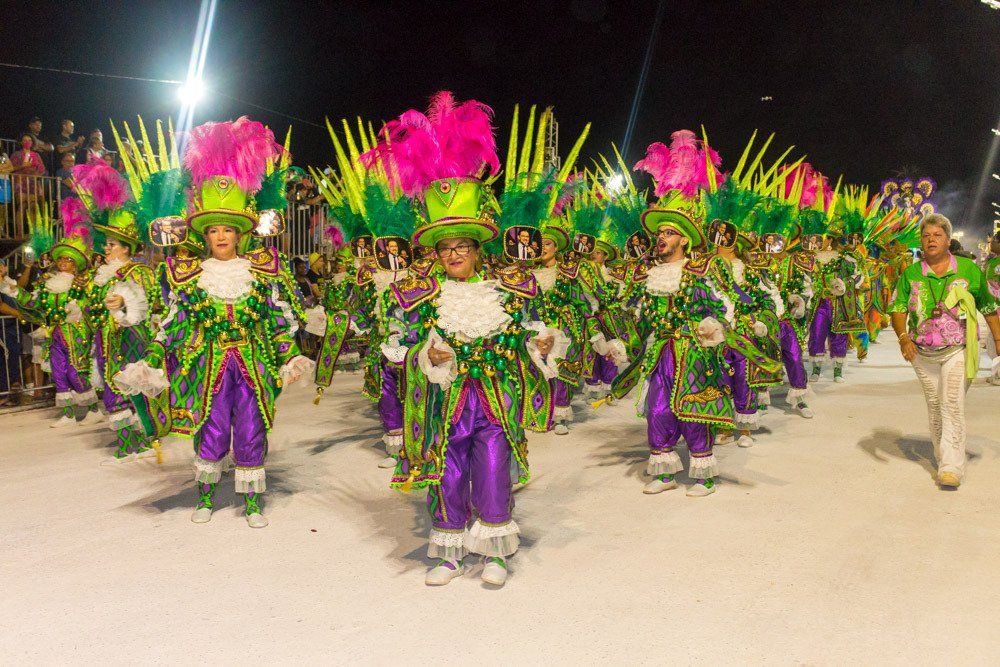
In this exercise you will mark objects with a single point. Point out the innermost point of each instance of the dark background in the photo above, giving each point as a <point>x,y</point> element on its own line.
<point>867,89</point>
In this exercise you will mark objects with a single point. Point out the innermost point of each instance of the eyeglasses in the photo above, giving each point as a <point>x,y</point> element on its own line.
<point>459,250</point>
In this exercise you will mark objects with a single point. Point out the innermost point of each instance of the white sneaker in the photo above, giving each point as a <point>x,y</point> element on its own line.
<point>93,417</point>
<point>63,422</point>
<point>494,573</point>
<point>659,486</point>
<point>387,462</point>
<point>201,515</point>
<point>804,410</point>
<point>256,520</point>
<point>698,490</point>
<point>441,574</point>
<point>561,429</point>
<point>745,441</point>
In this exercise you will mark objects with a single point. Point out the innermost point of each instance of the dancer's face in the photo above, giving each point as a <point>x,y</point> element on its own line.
<point>669,243</point>
<point>222,241</point>
<point>115,249</point>
<point>548,250</point>
<point>66,265</point>
<point>458,257</point>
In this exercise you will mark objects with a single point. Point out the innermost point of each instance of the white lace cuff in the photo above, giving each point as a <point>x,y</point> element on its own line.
<point>444,374</point>
<point>393,350</point>
<point>316,321</point>
<point>136,308</point>
<point>141,378</point>
<point>616,348</point>
<point>295,368</point>
<point>73,312</point>
<point>837,287</point>
<point>797,306</point>
<point>548,365</point>
<point>759,329</point>
<point>711,332</point>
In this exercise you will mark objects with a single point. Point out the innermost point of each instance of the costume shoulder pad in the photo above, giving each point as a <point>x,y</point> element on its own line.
<point>181,270</point>
<point>618,271</point>
<point>640,272</point>
<point>757,260</point>
<point>423,266</point>
<point>569,269</point>
<point>804,261</point>
<point>702,264</point>
<point>517,280</point>
<point>265,260</point>
<point>413,290</point>
<point>366,272</point>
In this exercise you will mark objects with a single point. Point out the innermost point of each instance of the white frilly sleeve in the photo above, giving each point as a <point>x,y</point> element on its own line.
<point>615,348</point>
<point>136,308</point>
<point>838,287</point>
<point>711,332</point>
<point>141,378</point>
<point>444,374</point>
<point>548,365</point>
<point>797,306</point>
<point>73,312</point>
<point>393,350</point>
<point>296,368</point>
<point>316,321</point>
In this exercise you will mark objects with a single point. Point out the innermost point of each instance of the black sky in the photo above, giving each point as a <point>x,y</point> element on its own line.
<point>865,88</point>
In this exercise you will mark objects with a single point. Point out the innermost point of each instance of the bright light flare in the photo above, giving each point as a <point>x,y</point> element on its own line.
<point>616,184</point>
<point>191,92</point>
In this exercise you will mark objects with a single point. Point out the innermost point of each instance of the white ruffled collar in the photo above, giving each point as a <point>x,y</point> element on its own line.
<point>227,280</point>
<point>665,279</point>
<point>827,256</point>
<point>471,310</point>
<point>546,276</point>
<point>739,271</point>
<point>105,272</point>
<point>59,283</point>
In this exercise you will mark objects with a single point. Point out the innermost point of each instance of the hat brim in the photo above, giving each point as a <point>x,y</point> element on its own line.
<point>202,220</point>
<point>481,231</point>
<point>558,236</point>
<point>609,250</point>
<point>115,233</point>
<point>654,218</point>
<point>60,250</point>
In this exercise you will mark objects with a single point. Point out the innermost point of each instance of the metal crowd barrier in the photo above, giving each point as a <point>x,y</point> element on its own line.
<point>21,197</point>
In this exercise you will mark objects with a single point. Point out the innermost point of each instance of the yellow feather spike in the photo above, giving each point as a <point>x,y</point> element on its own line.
<point>133,178</point>
<point>140,164</point>
<point>625,171</point>
<point>363,136</point>
<point>510,176</point>
<point>147,146</point>
<point>776,183</point>
<point>538,159</point>
<point>161,146</point>
<point>175,158</point>
<point>769,174</point>
<point>286,157</point>
<point>567,166</point>
<point>745,176</point>
<point>743,158</point>
<point>713,183</point>
<point>352,149</point>
<point>524,159</point>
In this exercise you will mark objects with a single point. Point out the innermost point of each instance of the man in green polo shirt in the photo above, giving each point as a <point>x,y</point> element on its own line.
<point>992,271</point>
<point>934,316</point>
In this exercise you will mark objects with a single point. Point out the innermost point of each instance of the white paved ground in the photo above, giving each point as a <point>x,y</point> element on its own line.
<point>827,543</point>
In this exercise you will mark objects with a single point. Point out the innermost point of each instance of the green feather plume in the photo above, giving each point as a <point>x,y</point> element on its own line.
<point>163,194</point>
<point>732,204</point>
<point>812,221</point>
<point>272,191</point>
<point>624,214</point>
<point>773,216</point>
<point>388,216</point>
<point>42,239</point>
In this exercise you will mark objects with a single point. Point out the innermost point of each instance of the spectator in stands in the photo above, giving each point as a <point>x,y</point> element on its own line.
<point>65,143</point>
<point>65,174</point>
<point>95,146</point>
<point>27,163</point>
<point>306,287</point>
<point>43,147</point>
<point>10,341</point>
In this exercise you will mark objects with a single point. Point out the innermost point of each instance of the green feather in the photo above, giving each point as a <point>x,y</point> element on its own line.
<point>624,216</point>
<point>42,239</point>
<point>163,194</point>
<point>732,204</point>
<point>272,192</point>
<point>773,216</point>
<point>388,217</point>
<point>351,224</point>
<point>812,221</point>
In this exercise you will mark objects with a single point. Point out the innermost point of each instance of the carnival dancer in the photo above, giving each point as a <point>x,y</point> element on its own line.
<point>991,269</point>
<point>123,293</point>
<point>468,392</point>
<point>231,318</point>
<point>60,302</point>
<point>677,355</point>
<point>934,314</point>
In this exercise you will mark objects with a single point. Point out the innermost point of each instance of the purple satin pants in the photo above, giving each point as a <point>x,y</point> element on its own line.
<point>234,418</point>
<point>64,376</point>
<point>390,408</point>
<point>113,401</point>
<point>791,356</point>
<point>663,429</point>
<point>561,394</point>
<point>605,371</point>
<point>476,469</point>
<point>744,398</point>
<point>820,331</point>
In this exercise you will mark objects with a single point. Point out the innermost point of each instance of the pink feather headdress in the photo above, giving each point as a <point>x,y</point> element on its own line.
<point>681,167</point>
<point>450,140</point>
<point>240,149</point>
<point>100,184</point>
<point>814,185</point>
<point>74,216</point>
<point>335,236</point>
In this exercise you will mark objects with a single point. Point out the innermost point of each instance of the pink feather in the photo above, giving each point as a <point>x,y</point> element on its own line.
<point>450,140</point>
<point>336,237</point>
<point>107,188</point>
<point>74,216</point>
<point>814,185</point>
<point>575,184</point>
<point>681,167</point>
<point>240,149</point>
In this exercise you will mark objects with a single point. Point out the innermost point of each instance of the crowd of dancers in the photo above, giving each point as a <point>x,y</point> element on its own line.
<point>480,295</point>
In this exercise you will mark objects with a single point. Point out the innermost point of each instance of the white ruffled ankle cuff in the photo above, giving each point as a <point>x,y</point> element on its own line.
<point>64,398</point>
<point>750,422</point>
<point>796,395</point>
<point>88,397</point>
<point>447,544</point>
<point>563,413</point>
<point>208,472</point>
<point>488,540</point>
<point>393,443</point>
<point>250,479</point>
<point>664,463</point>
<point>703,467</point>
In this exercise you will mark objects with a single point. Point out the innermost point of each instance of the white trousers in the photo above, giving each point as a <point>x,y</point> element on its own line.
<point>943,381</point>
